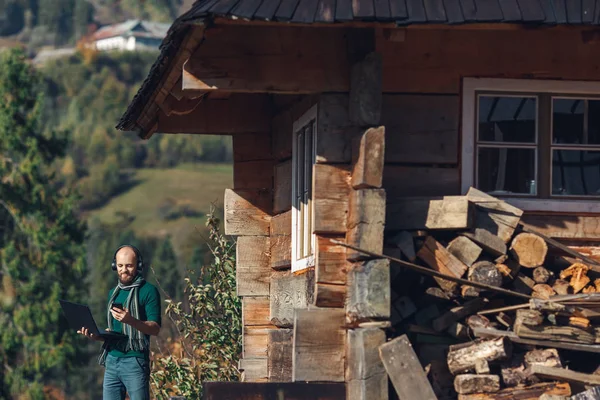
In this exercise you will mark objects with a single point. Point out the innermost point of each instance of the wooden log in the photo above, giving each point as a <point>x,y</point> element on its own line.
<point>504,319</point>
<point>562,374</point>
<point>482,367</point>
<point>366,221</point>
<point>567,334</point>
<point>405,370</point>
<point>247,212</point>
<point>523,283</point>
<point>363,353</point>
<point>541,275</point>
<point>369,290</point>
<point>529,317</point>
<point>439,259</point>
<point>457,313</point>
<point>578,273</point>
<point>279,354</point>
<point>465,250</point>
<point>319,345</point>
<point>463,359</point>
<point>253,369</point>
<point>485,272</point>
<point>331,265</point>
<point>404,241</point>
<point>488,241</point>
<point>329,295</point>
<point>529,250</point>
<point>458,331</point>
<point>253,266</point>
<point>561,287</point>
<point>517,370</point>
<point>255,311</point>
<point>494,215</point>
<point>580,322</point>
<point>543,291</point>
<point>472,383</point>
<point>591,394</point>
<point>367,155</point>
<point>366,91</point>
<point>545,357</point>
<point>280,241</point>
<point>288,292</point>
<point>532,392</point>
<point>331,187</point>
<point>255,341</point>
<point>478,321</point>
<point>282,187</point>
<point>447,213</point>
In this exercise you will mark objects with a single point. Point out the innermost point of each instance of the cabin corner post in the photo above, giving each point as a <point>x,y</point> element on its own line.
<point>248,215</point>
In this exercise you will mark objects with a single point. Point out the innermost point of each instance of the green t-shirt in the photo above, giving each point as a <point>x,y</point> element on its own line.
<point>149,300</point>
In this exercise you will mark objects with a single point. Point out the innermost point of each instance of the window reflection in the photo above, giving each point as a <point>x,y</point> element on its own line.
<point>507,119</point>
<point>506,170</point>
<point>575,172</point>
<point>575,121</point>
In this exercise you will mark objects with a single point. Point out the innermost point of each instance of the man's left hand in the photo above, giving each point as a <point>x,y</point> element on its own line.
<point>122,315</point>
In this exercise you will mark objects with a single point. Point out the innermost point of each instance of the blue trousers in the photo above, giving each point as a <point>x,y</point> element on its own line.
<point>129,375</point>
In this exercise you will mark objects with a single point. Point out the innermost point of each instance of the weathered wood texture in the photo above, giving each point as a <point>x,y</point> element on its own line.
<point>253,266</point>
<point>368,159</point>
<point>403,181</point>
<point>255,311</point>
<point>591,394</point>
<point>331,265</point>
<point>405,370</point>
<point>449,212</point>
<point>280,240</point>
<point>463,359</point>
<point>247,212</point>
<point>279,353</point>
<point>282,187</point>
<point>529,250</point>
<point>253,369</point>
<point>421,129</point>
<point>369,290</point>
<point>221,62</point>
<point>273,390</point>
<point>255,341</point>
<point>471,383</point>
<point>331,187</point>
<point>488,241</point>
<point>564,226</point>
<point>288,292</point>
<point>335,131</point>
<point>532,392</point>
<point>330,295</point>
<point>366,91</point>
<point>464,249</point>
<point>441,260</point>
<point>365,375</point>
<point>366,221</point>
<point>257,174</point>
<point>319,345</point>
<point>494,215</point>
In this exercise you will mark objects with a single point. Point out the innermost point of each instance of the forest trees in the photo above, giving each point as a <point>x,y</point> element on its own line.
<point>41,251</point>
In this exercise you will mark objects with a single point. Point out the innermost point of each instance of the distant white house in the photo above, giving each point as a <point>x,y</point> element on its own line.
<point>130,35</point>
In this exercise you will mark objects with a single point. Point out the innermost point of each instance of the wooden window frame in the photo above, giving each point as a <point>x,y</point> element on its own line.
<point>544,91</point>
<point>302,215</point>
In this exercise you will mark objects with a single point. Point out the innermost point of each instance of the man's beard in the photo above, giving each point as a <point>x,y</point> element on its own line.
<point>129,278</point>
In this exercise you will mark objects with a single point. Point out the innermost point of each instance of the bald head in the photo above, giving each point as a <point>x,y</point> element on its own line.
<point>126,264</point>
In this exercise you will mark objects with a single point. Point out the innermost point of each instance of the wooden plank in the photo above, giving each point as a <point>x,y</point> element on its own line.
<point>365,88</point>
<point>273,390</point>
<point>331,186</point>
<point>463,357</point>
<point>254,341</point>
<point>281,241</point>
<point>457,313</point>
<point>241,113</point>
<point>441,260</point>
<point>473,383</point>
<point>319,345</point>
<point>253,174</point>
<point>421,129</point>
<point>532,392</point>
<point>591,394</point>
<point>282,187</point>
<point>253,370</point>
<point>373,388</point>
<point>447,213</point>
<point>368,159</point>
<point>369,291</point>
<point>565,375</point>
<point>465,250</point>
<point>330,295</point>
<point>335,131</point>
<point>405,370</point>
<point>251,146</point>
<point>252,266</point>
<point>494,215</point>
<point>220,63</point>
<point>366,221</point>
<point>365,375</point>
<point>331,265</point>
<point>255,311</point>
<point>247,212</point>
<point>288,292</point>
<point>401,181</point>
<point>280,355</point>
<point>564,226</point>
<point>488,241</point>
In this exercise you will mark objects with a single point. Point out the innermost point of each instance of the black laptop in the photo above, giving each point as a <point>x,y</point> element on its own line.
<point>79,315</point>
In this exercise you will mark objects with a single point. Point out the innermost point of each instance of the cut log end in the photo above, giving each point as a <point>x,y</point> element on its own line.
<point>529,250</point>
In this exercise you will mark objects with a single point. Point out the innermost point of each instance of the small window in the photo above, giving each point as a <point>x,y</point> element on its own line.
<point>303,159</point>
<point>535,143</point>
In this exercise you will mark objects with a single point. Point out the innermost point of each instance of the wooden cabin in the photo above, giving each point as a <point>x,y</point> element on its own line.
<point>339,111</point>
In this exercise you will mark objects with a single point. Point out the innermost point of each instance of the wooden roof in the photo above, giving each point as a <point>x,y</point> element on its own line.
<point>399,12</point>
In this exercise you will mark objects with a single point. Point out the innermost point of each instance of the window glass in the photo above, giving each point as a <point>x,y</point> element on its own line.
<point>506,170</point>
<point>575,172</point>
<point>507,119</point>
<point>575,121</point>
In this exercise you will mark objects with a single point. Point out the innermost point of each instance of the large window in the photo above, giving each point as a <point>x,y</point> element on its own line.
<point>303,158</point>
<point>537,143</point>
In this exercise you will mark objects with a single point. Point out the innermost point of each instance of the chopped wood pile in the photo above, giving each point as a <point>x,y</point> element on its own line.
<point>509,314</point>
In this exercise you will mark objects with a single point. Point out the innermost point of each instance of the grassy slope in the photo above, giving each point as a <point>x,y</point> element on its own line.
<point>198,185</point>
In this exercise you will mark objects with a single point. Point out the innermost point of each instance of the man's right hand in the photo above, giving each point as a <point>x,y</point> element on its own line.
<point>85,332</point>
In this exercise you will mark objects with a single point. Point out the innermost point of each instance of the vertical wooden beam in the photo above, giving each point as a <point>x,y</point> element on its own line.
<point>319,345</point>
<point>335,131</point>
<point>331,265</point>
<point>282,188</point>
<point>331,186</point>
<point>247,212</point>
<point>280,355</point>
<point>366,221</point>
<point>253,369</point>
<point>369,291</point>
<point>368,159</point>
<point>366,91</point>
<point>281,241</point>
<point>365,375</point>
<point>255,311</point>
<point>253,268</point>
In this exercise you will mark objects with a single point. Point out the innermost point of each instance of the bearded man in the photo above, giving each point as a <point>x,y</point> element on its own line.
<point>133,310</point>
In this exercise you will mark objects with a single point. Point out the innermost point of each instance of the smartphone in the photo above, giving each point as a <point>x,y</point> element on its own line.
<point>118,305</point>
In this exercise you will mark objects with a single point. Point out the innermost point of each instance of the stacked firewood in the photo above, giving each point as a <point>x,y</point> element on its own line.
<point>518,314</point>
